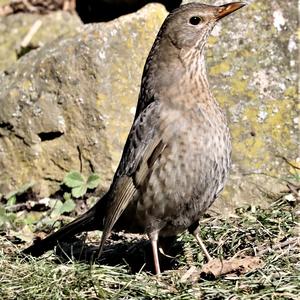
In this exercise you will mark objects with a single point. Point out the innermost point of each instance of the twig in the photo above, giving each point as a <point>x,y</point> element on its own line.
<point>69,5</point>
<point>188,274</point>
<point>288,242</point>
<point>288,162</point>
<point>278,246</point>
<point>294,189</point>
<point>32,31</point>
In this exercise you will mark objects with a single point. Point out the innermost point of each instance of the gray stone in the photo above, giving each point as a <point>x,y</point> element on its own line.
<point>14,28</point>
<point>69,105</point>
<point>252,66</point>
<point>82,92</point>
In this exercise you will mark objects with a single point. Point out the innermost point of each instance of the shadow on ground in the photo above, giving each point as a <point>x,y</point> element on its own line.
<point>134,252</point>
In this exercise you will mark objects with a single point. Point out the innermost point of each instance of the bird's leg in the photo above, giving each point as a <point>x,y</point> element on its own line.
<point>153,236</point>
<point>194,230</point>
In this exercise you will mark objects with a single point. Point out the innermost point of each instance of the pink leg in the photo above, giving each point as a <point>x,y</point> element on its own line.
<point>154,238</point>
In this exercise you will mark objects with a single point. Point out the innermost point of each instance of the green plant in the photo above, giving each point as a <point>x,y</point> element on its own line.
<point>60,207</point>
<point>12,196</point>
<point>79,184</point>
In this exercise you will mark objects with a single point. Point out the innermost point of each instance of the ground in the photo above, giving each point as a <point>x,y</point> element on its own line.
<point>264,241</point>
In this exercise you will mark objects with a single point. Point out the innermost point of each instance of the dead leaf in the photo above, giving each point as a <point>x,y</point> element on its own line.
<point>233,266</point>
<point>25,234</point>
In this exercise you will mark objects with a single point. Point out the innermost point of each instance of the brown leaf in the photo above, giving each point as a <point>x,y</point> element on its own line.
<point>237,266</point>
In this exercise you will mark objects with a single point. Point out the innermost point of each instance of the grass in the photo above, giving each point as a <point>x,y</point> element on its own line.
<point>270,233</point>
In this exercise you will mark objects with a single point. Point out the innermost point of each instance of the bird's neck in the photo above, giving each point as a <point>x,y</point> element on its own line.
<point>170,71</point>
<point>186,74</point>
<point>195,76</point>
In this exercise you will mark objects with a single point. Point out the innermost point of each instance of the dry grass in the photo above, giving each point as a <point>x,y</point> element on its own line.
<point>270,233</point>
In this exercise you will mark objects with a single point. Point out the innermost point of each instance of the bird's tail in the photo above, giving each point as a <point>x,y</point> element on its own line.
<point>91,220</point>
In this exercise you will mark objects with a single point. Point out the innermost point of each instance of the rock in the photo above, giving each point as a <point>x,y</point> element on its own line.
<point>14,28</point>
<point>252,66</point>
<point>33,6</point>
<point>4,2</point>
<point>69,105</point>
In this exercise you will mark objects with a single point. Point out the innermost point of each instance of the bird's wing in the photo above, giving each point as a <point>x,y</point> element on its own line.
<point>143,147</point>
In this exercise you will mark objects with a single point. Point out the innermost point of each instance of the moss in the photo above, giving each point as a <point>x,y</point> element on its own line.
<point>238,86</point>
<point>258,6</point>
<point>221,68</point>
<point>15,27</point>
<point>212,40</point>
<point>256,152</point>
<point>251,76</point>
<point>291,91</point>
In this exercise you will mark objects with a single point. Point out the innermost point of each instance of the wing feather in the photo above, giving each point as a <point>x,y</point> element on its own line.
<point>142,158</point>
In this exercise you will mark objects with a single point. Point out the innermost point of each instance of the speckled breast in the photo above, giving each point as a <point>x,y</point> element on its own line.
<point>188,175</point>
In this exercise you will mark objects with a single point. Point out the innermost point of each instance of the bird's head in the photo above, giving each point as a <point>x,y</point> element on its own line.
<point>189,25</point>
<point>177,50</point>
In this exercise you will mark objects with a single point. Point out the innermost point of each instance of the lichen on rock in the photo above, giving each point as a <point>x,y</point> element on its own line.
<point>75,98</point>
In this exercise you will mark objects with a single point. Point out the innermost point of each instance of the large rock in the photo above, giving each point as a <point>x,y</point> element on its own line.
<point>69,105</point>
<point>252,62</point>
<point>72,102</point>
<point>14,28</point>
<point>4,2</point>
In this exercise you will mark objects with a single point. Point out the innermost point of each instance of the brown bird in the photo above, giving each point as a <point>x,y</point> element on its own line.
<point>177,154</point>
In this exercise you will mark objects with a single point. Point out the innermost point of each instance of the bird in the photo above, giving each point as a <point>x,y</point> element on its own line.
<point>178,152</point>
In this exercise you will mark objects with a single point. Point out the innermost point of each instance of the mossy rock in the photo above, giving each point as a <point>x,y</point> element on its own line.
<point>84,90</point>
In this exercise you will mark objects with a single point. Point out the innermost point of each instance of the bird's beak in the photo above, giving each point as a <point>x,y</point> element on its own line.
<point>227,9</point>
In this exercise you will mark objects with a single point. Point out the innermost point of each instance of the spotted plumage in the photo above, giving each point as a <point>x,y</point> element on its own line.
<point>177,155</point>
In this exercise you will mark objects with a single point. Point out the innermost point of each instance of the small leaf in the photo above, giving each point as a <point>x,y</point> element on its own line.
<point>12,200</point>
<point>11,194</point>
<point>56,211</point>
<point>24,188</point>
<point>50,202</point>
<point>93,181</point>
<point>79,191</point>
<point>48,222</point>
<point>73,179</point>
<point>3,216</point>
<point>67,196</point>
<point>6,219</point>
<point>68,206</point>
<point>32,217</point>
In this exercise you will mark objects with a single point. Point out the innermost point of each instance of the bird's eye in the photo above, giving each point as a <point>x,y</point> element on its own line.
<point>195,20</point>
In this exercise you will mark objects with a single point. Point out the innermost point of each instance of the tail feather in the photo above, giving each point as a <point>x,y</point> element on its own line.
<point>89,221</point>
